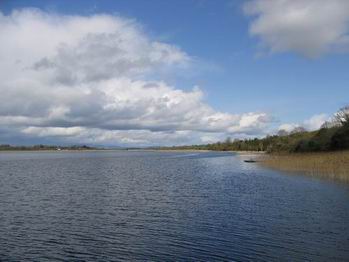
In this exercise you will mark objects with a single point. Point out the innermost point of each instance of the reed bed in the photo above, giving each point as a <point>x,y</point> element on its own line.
<point>330,165</point>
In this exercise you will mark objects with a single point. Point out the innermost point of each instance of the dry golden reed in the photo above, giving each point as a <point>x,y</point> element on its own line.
<point>331,165</point>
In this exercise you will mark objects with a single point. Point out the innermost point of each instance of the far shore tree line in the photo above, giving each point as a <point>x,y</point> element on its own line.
<point>7,147</point>
<point>333,135</point>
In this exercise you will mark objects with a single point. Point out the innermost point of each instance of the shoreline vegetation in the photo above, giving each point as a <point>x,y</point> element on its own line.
<point>328,165</point>
<point>322,153</point>
<point>6,147</point>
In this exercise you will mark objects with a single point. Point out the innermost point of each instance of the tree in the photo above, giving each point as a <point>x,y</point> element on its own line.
<point>228,141</point>
<point>342,115</point>
<point>298,129</point>
<point>327,124</point>
<point>282,132</point>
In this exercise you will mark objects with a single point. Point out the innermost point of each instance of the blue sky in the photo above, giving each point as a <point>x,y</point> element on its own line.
<point>238,69</point>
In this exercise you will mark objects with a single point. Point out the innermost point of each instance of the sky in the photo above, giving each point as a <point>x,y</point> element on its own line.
<point>145,73</point>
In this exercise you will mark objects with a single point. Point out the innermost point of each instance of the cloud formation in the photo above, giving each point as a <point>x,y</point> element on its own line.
<point>86,79</point>
<point>308,27</point>
<point>313,123</point>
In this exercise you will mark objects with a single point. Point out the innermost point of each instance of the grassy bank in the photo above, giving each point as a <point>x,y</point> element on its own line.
<point>331,165</point>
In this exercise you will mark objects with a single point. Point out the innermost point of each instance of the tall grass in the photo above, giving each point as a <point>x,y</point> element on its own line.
<point>331,165</point>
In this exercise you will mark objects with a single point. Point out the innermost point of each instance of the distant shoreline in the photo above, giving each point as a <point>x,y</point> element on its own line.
<point>131,150</point>
<point>55,150</point>
<point>168,150</point>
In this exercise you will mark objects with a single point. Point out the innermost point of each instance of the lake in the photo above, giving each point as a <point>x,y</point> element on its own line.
<point>161,206</point>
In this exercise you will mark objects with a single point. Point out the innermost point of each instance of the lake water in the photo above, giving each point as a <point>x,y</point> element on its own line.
<point>161,206</point>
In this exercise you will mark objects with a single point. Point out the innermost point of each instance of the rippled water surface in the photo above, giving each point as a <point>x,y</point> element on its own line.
<point>160,206</point>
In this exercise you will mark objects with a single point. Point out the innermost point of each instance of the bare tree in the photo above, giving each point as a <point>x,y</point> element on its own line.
<point>228,140</point>
<point>327,124</point>
<point>342,116</point>
<point>282,132</point>
<point>298,129</point>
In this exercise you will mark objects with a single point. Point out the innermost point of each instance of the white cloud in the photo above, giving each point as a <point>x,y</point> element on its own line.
<point>86,79</point>
<point>288,127</point>
<point>313,123</point>
<point>52,131</point>
<point>137,138</point>
<point>308,27</point>
<point>316,121</point>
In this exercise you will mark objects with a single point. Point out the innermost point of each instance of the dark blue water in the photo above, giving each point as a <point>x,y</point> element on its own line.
<point>154,206</point>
